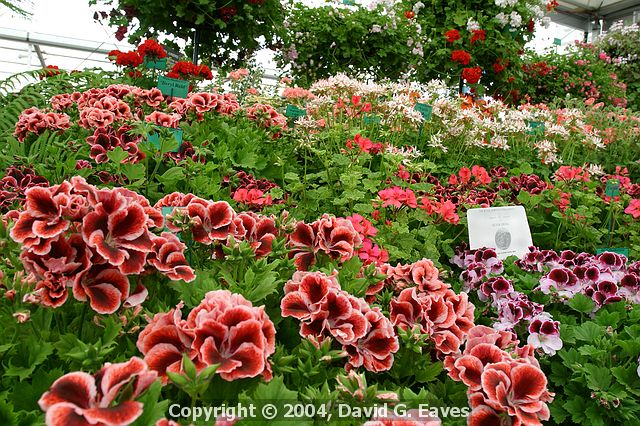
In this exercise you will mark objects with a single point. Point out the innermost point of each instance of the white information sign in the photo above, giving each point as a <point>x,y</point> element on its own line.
<point>505,229</point>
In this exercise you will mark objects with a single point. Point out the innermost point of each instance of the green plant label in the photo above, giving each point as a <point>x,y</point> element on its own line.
<point>293,111</point>
<point>159,64</point>
<point>557,41</point>
<point>535,128</point>
<point>154,138</point>
<point>167,210</point>
<point>371,119</point>
<point>619,250</point>
<point>510,31</point>
<point>173,87</point>
<point>425,110</point>
<point>613,188</point>
<point>349,2</point>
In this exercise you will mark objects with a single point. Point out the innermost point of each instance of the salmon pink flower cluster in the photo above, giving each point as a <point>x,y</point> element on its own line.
<point>34,121</point>
<point>365,145</point>
<point>197,104</point>
<point>224,329</point>
<point>633,208</point>
<point>105,398</point>
<point>246,189</point>
<point>77,236</point>
<point>334,237</point>
<point>572,174</point>
<point>506,384</point>
<point>238,74</point>
<point>468,187</point>
<point>398,197</point>
<point>444,209</point>
<point>326,311</point>
<point>248,181</point>
<point>266,116</point>
<point>291,93</point>
<point>216,223</point>
<point>369,252</point>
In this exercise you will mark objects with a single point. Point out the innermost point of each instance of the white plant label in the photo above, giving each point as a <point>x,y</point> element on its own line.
<point>504,229</point>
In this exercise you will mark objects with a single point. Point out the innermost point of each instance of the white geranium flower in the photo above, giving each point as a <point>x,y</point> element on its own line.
<point>516,19</point>
<point>502,18</point>
<point>472,25</point>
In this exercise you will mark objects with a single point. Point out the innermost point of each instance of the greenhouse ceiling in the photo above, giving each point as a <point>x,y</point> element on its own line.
<point>593,15</point>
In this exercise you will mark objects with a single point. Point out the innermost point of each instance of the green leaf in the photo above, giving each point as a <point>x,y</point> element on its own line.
<point>576,407</point>
<point>25,394</point>
<point>7,414</point>
<point>581,303</point>
<point>189,367</point>
<point>32,353</point>
<point>428,373</point>
<point>274,390</point>
<point>588,331</point>
<point>261,286</point>
<point>598,378</point>
<point>589,350</point>
<point>118,155</point>
<point>246,159</point>
<point>171,176</point>
<point>153,410</point>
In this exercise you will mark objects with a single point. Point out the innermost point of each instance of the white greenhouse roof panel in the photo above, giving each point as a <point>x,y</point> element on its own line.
<point>582,14</point>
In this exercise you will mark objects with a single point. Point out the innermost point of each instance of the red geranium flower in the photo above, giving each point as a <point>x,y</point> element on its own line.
<point>42,220</point>
<point>461,57</point>
<point>223,329</point>
<point>117,230</point>
<point>49,71</point>
<point>164,341</point>
<point>302,244</point>
<point>409,14</point>
<point>452,35</point>
<point>168,258</point>
<point>327,311</point>
<point>337,237</point>
<point>259,230</point>
<point>105,287</point>
<point>375,350</point>
<point>478,35</point>
<point>229,331</point>
<point>129,59</point>
<point>306,294</point>
<point>59,269</point>
<point>398,197</point>
<point>518,389</point>
<point>152,48</point>
<point>472,75</point>
<point>82,399</point>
